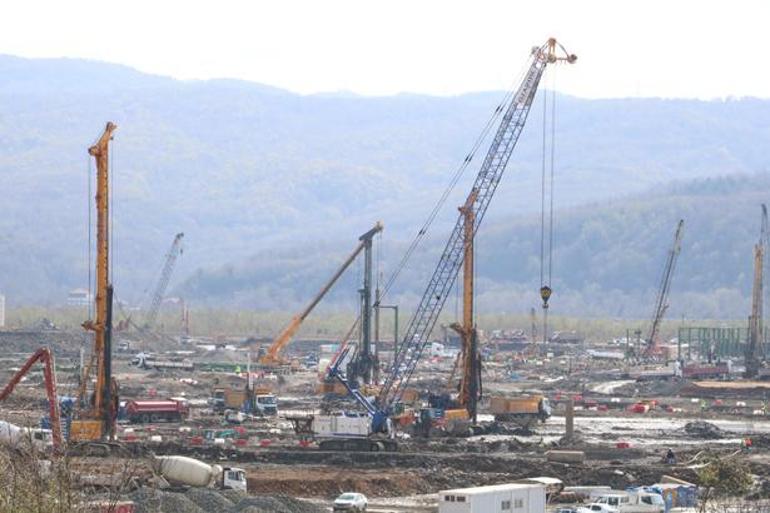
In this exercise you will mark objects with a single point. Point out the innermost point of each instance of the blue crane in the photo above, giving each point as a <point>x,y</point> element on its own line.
<point>418,331</point>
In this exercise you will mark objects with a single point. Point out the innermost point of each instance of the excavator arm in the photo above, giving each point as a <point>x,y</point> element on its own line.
<point>272,357</point>
<point>44,356</point>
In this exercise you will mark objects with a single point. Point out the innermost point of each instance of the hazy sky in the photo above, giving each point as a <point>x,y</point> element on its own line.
<point>672,48</point>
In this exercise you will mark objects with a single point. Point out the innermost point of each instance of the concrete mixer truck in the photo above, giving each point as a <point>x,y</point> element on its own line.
<point>184,471</point>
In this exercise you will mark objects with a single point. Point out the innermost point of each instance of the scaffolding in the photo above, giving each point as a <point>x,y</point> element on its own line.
<point>711,344</point>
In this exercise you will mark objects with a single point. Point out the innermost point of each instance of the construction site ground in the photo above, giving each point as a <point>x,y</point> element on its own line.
<point>622,448</point>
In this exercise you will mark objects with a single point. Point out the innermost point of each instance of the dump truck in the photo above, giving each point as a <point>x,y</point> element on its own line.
<point>146,411</point>
<point>521,410</point>
<point>261,401</point>
<point>185,471</point>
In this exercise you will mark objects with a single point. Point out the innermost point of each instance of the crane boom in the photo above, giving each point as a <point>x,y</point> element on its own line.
<point>44,356</point>
<point>661,301</point>
<point>424,319</point>
<point>272,357</point>
<point>757,301</point>
<point>165,276</point>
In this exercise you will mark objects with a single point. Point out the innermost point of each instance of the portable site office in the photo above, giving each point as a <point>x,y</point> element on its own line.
<point>506,498</point>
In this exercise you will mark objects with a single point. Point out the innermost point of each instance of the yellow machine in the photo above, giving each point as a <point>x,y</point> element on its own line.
<point>273,355</point>
<point>469,358</point>
<point>97,421</point>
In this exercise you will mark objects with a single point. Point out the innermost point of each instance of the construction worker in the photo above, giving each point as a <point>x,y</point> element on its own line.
<point>746,444</point>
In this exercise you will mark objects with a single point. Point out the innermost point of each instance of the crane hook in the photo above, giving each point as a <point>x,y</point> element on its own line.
<point>545,294</point>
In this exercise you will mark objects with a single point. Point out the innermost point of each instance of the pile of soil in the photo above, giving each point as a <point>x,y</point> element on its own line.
<point>703,429</point>
<point>208,500</point>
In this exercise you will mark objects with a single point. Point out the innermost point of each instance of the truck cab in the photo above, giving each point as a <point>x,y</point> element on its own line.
<point>233,478</point>
<point>267,404</point>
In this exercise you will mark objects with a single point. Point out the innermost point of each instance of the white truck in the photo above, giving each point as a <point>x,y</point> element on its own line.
<point>626,502</point>
<point>504,498</point>
<point>17,436</point>
<point>148,362</point>
<point>181,470</point>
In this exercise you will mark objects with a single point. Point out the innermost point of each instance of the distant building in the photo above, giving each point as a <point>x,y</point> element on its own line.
<point>79,297</point>
<point>2,311</point>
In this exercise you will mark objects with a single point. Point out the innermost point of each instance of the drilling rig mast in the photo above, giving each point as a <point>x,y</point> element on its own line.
<point>756,331</point>
<point>97,421</point>
<point>470,382</point>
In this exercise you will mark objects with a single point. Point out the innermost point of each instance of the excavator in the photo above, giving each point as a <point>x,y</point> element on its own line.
<point>272,358</point>
<point>756,330</point>
<point>95,419</point>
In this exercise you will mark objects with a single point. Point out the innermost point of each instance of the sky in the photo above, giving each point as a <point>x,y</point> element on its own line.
<point>673,48</point>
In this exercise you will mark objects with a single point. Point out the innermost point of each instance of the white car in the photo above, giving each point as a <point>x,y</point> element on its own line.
<point>351,502</point>
<point>597,508</point>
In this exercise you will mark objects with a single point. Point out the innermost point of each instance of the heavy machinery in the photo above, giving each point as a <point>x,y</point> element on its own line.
<point>469,359</point>
<point>417,336</point>
<point>186,471</point>
<point>272,356</point>
<point>652,349</point>
<point>523,411</point>
<point>756,331</point>
<point>165,276</point>
<point>96,418</point>
<point>144,411</point>
<point>44,356</point>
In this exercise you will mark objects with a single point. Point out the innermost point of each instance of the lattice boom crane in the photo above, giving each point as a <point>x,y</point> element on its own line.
<point>165,276</point>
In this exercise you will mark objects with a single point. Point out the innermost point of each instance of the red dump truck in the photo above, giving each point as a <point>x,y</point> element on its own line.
<point>145,411</point>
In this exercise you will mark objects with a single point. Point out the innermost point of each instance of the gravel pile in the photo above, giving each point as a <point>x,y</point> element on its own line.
<point>148,500</point>
<point>208,500</point>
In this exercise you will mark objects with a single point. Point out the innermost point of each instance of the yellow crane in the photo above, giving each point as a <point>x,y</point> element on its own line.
<point>470,381</point>
<point>273,355</point>
<point>97,420</point>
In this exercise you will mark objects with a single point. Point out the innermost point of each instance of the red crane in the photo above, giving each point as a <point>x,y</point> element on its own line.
<point>44,356</point>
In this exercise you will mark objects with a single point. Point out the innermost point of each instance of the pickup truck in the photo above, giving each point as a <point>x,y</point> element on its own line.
<point>626,502</point>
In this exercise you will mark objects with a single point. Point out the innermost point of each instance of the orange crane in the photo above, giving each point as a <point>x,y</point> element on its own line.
<point>44,356</point>
<point>470,381</point>
<point>97,420</point>
<point>272,357</point>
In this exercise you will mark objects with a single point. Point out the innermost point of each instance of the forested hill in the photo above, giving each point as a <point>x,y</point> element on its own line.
<point>245,169</point>
<point>607,258</point>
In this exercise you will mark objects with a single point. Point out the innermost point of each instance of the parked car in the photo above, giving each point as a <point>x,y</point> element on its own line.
<point>356,502</point>
<point>597,508</point>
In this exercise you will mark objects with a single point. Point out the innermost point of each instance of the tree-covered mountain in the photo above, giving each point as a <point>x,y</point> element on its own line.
<point>607,258</point>
<point>245,169</point>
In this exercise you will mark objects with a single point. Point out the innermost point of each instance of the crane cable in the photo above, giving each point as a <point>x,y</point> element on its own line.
<point>490,124</point>
<point>547,181</point>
